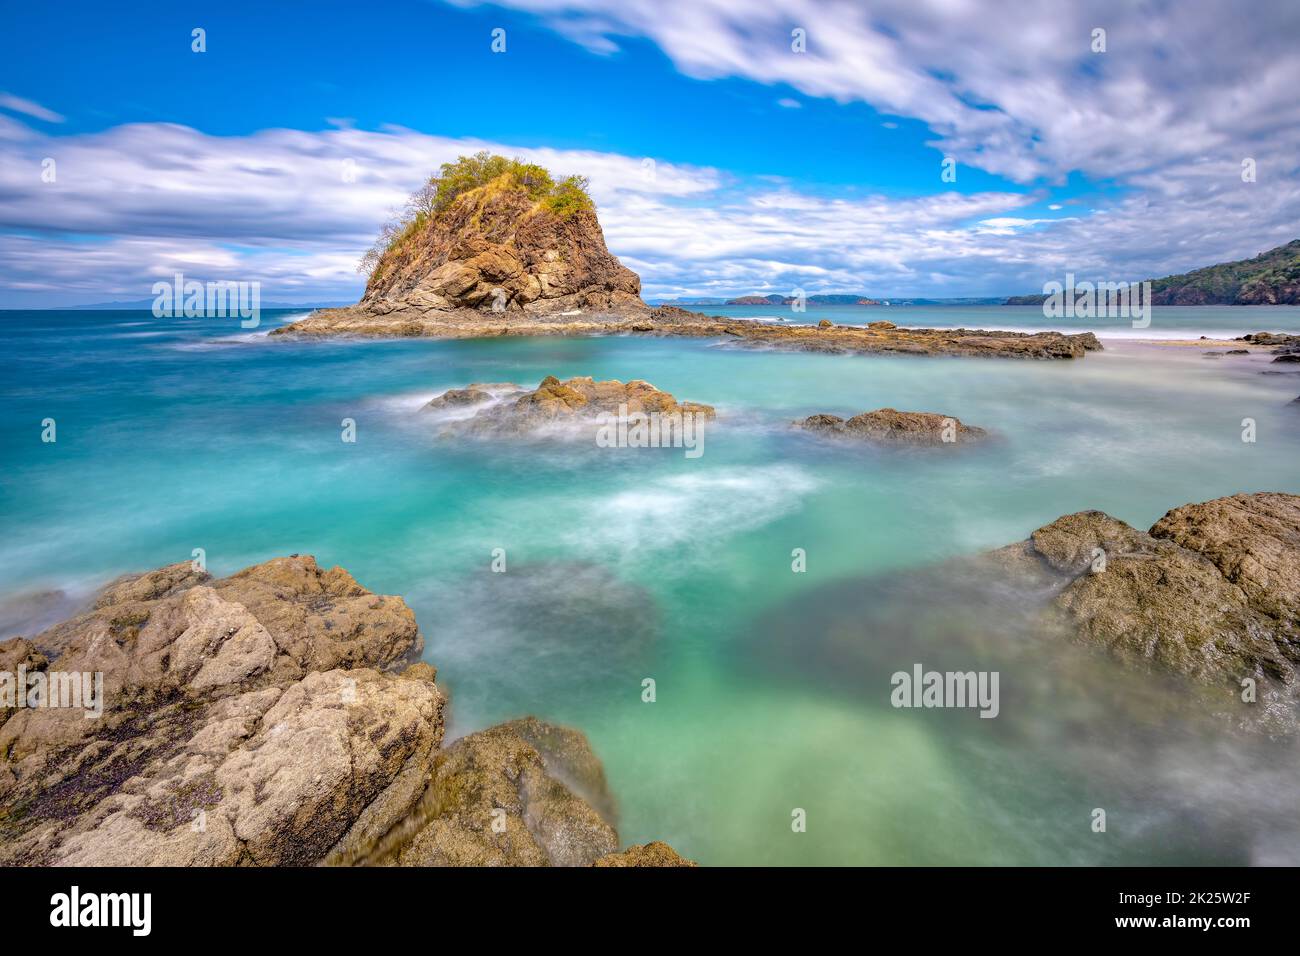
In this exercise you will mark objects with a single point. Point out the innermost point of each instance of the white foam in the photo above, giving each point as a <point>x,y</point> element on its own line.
<point>699,509</point>
<point>225,342</point>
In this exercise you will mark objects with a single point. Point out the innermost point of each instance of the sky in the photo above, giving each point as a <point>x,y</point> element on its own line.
<point>732,147</point>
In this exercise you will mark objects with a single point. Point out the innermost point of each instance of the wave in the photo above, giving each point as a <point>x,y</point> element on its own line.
<point>690,509</point>
<point>225,342</point>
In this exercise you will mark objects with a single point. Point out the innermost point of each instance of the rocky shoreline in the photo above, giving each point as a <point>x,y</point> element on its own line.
<point>497,260</point>
<point>279,717</point>
<point>875,339</point>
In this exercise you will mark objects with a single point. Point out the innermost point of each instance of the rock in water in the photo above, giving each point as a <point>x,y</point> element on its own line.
<point>497,249</point>
<point>268,718</point>
<point>1211,592</point>
<point>575,401</point>
<point>890,426</point>
<point>496,798</point>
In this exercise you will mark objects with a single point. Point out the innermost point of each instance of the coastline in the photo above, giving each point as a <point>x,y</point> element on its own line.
<point>877,338</point>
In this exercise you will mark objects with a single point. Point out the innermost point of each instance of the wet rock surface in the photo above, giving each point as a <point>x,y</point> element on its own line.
<point>555,403</point>
<point>889,426</point>
<point>874,339</point>
<point>497,249</point>
<point>1162,626</point>
<point>274,717</point>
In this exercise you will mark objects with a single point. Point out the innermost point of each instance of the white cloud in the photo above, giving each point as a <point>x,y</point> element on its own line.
<point>134,203</point>
<point>1011,88</point>
<point>17,104</point>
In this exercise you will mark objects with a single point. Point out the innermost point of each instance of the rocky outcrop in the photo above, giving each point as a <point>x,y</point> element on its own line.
<point>1270,338</point>
<point>892,427</point>
<point>506,796</point>
<point>672,321</point>
<point>511,410</point>
<point>1211,592</point>
<point>498,250</point>
<point>1098,622</point>
<point>457,399</point>
<point>273,717</point>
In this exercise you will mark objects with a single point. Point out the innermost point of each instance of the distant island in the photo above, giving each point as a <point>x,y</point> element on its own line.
<point>135,305</point>
<point>829,299</point>
<point>1271,278</point>
<point>789,299</point>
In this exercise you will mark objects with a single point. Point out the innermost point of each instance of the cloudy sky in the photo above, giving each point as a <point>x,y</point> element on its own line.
<point>733,147</point>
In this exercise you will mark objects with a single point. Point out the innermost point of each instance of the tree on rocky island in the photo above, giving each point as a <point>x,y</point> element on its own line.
<point>562,198</point>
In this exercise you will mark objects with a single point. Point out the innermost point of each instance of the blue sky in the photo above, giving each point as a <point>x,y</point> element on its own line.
<point>770,168</point>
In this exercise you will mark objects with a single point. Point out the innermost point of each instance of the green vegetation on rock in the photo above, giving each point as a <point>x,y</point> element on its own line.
<point>563,199</point>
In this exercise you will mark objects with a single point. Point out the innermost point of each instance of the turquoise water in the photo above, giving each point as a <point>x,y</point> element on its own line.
<point>1166,323</point>
<point>771,686</point>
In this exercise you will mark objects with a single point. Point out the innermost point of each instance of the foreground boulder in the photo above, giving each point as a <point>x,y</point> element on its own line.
<point>890,426</point>
<point>506,796</point>
<point>1211,594</point>
<point>273,717</point>
<point>511,410</point>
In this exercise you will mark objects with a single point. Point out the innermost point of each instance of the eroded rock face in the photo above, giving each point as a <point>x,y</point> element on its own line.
<point>496,250</point>
<point>273,718</point>
<point>556,403</point>
<point>892,427</point>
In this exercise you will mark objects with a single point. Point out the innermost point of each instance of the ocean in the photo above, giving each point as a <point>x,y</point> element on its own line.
<point>771,686</point>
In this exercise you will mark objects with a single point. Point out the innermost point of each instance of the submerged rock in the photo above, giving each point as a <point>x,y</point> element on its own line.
<point>575,401</point>
<point>272,717</point>
<point>890,426</point>
<point>471,396</point>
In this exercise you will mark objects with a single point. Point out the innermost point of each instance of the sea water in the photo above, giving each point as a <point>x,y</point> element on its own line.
<point>622,565</point>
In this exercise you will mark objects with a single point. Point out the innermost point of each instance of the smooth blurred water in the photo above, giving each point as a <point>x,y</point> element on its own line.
<point>1166,323</point>
<point>175,434</point>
